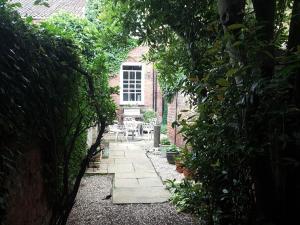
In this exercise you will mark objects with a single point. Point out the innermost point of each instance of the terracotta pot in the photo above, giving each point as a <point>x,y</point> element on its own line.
<point>187,173</point>
<point>179,167</point>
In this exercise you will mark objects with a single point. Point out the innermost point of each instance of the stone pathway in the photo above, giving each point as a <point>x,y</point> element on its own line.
<point>135,179</point>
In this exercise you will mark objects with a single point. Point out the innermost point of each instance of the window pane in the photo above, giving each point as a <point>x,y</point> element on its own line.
<point>132,83</point>
<point>132,67</point>
<point>132,97</point>
<point>132,75</point>
<point>137,67</point>
<point>125,75</point>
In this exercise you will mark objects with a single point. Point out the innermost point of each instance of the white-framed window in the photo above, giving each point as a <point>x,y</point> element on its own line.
<point>132,83</point>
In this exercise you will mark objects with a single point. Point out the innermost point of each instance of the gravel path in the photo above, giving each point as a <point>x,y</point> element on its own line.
<point>91,209</point>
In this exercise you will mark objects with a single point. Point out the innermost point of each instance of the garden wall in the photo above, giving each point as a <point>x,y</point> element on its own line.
<point>27,198</point>
<point>178,103</point>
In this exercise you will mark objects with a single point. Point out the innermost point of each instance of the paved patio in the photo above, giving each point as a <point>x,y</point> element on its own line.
<point>135,179</point>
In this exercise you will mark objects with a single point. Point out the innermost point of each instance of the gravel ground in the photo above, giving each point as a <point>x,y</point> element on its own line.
<point>91,209</point>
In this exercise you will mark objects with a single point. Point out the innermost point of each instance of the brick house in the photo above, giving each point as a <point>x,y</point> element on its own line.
<point>139,88</point>
<point>145,94</point>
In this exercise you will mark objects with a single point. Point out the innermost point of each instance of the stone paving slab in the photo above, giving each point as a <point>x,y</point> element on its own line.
<point>125,183</point>
<point>140,195</point>
<point>136,175</point>
<point>135,179</point>
<point>150,182</point>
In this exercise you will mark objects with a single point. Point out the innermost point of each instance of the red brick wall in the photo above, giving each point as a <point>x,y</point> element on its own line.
<point>136,55</point>
<point>179,103</point>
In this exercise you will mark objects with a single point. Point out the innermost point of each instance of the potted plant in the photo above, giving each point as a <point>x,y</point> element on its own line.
<point>179,165</point>
<point>164,145</point>
<point>171,154</point>
<point>188,164</point>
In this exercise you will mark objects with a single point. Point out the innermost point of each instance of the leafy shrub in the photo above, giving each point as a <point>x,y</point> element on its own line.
<point>188,196</point>
<point>45,101</point>
<point>148,115</point>
<point>173,148</point>
<point>165,141</point>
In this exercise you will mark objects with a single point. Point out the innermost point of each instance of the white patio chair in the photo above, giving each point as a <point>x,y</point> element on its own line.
<point>128,118</point>
<point>149,128</point>
<point>131,127</point>
<point>117,129</point>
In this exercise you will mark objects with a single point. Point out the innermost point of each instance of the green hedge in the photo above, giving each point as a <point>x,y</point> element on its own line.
<point>42,99</point>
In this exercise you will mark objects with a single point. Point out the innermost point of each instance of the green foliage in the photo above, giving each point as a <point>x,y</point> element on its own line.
<point>173,148</point>
<point>188,196</point>
<point>115,41</point>
<point>165,141</point>
<point>88,40</point>
<point>244,117</point>
<point>45,104</point>
<point>148,115</point>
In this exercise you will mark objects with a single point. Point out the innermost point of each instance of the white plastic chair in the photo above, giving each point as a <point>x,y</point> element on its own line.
<point>117,129</point>
<point>149,128</point>
<point>131,127</point>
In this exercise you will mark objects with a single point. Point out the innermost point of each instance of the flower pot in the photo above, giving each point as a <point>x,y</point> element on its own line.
<point>187,173</point>
<point>179,167</point>
<point>171,157</point>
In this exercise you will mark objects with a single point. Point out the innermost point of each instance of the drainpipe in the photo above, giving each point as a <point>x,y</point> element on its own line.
<point>153,104</point>
<point>176,106</point>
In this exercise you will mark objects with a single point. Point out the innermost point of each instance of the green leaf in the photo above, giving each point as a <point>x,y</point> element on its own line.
<point>231,72</point>
<point>223,82</point>
<point>235,26</point>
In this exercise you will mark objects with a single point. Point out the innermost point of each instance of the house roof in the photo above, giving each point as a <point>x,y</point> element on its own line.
<point>38,12</point>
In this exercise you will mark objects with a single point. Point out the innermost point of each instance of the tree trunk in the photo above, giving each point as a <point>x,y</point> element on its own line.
<point>267,203</point>
<point>293,42</point>
<point>292,190</point>
<point>265,17</point>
